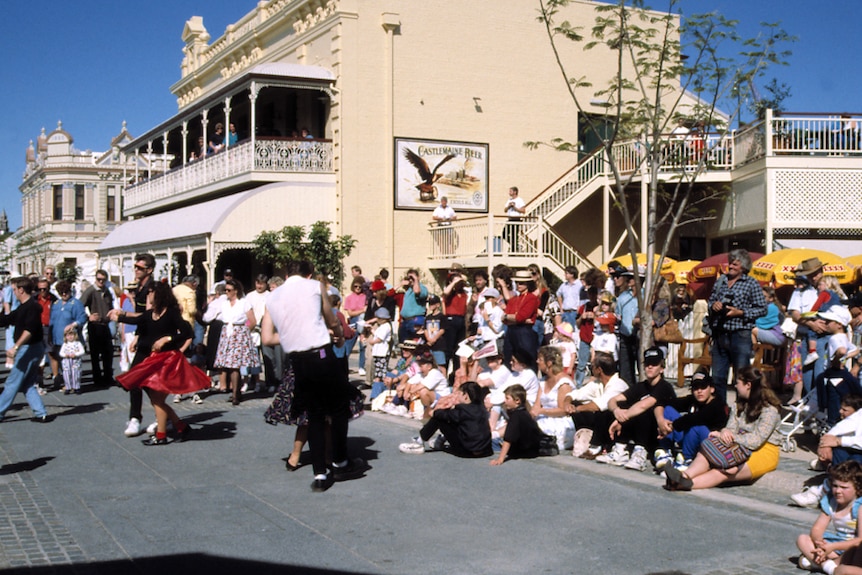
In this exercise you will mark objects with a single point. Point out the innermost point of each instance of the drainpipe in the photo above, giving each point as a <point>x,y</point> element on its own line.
<point>391,24</point>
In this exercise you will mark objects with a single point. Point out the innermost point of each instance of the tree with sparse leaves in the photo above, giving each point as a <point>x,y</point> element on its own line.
<point>317,246</point>
<point>662,59</point>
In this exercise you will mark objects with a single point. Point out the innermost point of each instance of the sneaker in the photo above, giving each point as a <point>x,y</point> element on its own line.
<point>152,441</point>
<point>591,453</point>
<point>436,444</point>
<point>177,398</point>
<point>401,410</point>
<point>196,399</point>
<point>151,428</point>
<point>244,388</point>
<point>415,447</point>
<point>662,458</point>
<point>387,408</point>
<point>805,563</point>
<point>582,441</point>
<point>810,358</point>
<point>619,456</point>
<point>808,497</point>
<point>133,428</point>
<point>361,372</point>
<point>817,464</point>
<point>638,460</point>
<point>681,463</point>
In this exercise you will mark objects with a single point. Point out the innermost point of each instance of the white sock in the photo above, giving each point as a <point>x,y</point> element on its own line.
<point>828,566</point>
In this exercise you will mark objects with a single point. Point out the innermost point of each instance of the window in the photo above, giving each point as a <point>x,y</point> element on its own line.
<point>79,201</point>
<point>111,205</point>
<point>58,202</point>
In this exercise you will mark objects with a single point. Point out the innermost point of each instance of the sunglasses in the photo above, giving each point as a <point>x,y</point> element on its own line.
<point>142,268</point>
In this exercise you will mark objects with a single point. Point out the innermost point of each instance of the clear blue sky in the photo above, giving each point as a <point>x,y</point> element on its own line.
<point>93,64</point>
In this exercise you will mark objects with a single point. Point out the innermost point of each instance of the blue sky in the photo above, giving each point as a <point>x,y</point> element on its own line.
<point>93,64</point>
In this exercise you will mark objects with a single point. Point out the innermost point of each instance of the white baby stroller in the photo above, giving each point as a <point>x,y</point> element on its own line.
<point>801,416</point>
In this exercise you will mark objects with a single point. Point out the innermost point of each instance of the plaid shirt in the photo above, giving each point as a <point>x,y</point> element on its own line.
<point>745,294</point>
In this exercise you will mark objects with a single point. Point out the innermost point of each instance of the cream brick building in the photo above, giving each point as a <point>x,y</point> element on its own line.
<point>70,200</point>
<point>359,74</point>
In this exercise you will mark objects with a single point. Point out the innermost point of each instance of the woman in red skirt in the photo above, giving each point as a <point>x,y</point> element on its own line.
<point>160,367</point>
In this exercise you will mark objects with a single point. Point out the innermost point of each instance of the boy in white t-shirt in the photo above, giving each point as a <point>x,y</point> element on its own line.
<point>427,386</point>
<point>840,347</point>
<point>491,319</point>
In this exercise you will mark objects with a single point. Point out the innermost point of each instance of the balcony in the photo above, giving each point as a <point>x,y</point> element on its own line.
<point>244,165</point>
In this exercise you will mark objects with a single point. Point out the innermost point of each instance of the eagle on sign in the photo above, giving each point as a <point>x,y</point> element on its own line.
<point>427,189</point>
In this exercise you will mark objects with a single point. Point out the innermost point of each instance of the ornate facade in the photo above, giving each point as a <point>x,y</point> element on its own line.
<point>70,200</point>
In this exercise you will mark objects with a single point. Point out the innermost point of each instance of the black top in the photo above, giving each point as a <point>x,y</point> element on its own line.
<point>150,330</point>
<point>26,317</point>
<point>662,391</point>
<point>713,414</point>
<point>141,296</point>
<point>522,434</point>
<point>472,422</point>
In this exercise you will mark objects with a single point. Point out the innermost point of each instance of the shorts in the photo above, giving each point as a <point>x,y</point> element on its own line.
<point>440,358</point>
<point>763,460</point>
<point>381,365</point>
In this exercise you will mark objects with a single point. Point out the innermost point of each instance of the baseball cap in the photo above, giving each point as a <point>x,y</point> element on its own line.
<point>837,313</point>
<point>433,299</point>
<point>701,380</point>
<point>653,356</point>
<point>491,292</point>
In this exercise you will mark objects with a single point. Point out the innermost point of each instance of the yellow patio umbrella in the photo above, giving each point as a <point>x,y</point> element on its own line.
<point>625,260</point>
<point>678,272</point>
<point>855,261</point>
<point>780,266</point>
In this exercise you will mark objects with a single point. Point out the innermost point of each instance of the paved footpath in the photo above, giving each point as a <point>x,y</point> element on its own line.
<point>79,497</point>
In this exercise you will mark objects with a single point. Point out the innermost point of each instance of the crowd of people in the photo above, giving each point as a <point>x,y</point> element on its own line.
<point>494,365</point>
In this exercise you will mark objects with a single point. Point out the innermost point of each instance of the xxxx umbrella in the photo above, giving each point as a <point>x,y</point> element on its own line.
<point>780,266</point>
<point>702,276</point>
<point>678,272</point>
<point>625,260</point>
<point>855,261</point>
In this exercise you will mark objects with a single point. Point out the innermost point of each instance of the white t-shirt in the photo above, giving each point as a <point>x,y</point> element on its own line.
<point>802,300</point>
<point>384,334</point>
<point>499,377</point>
<point>446,214</point>
<point>528,379</point>
<point>516,202</point>
<point>495,321</point>
<point>600,394</point>
<point>435,381</point>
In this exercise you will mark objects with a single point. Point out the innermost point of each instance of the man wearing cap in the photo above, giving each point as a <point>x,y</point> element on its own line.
<point>412,305</point>
<point>299,316</point>
<point>734,305</point>
<point>631,416</point>
<point>629,324</point>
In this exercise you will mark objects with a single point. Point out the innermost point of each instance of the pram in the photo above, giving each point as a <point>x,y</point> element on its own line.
<point>800,417</point>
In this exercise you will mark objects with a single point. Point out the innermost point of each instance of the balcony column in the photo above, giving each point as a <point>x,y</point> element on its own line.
<point>137,163</point>
<point>164,151</point>
<point>204,154</point>
<point>252,96</point>
<point>185,135</point>
<point>149,159</point>
<point>227,122</point>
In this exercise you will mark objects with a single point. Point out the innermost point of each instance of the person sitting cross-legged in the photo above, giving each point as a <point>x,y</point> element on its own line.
<point>631,416</point>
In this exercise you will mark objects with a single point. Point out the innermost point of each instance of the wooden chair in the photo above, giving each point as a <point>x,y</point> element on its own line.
<point>770,360</point>
<point>704,359</point>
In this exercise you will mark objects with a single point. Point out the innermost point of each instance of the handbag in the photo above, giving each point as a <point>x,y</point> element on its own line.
<point>721,456</point>
<point>668,332</point>
<point>548,445</point>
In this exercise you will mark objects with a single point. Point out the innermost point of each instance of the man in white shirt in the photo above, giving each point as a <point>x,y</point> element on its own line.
<point>586,402</point>
<point>515,208</point>
<point>444,215</point>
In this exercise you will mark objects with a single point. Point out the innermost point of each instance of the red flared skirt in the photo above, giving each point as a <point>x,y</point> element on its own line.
<point>167,372</point>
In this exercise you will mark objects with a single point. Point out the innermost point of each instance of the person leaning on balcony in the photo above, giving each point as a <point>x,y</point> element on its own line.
<point>200,152</point>
<point>216,143</point>
<point>232,136</point>
<point>515,208</point>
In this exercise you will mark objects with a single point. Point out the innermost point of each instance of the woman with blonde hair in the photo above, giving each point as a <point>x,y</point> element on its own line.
<point>549,410</point>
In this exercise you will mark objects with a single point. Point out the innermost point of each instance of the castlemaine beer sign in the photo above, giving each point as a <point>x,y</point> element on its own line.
<point>426,170</point>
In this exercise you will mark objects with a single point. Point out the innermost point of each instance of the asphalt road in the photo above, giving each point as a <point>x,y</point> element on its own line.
<point>79,497</point>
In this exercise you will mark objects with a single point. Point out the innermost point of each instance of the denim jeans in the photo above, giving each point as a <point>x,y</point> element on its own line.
<point>583,360</point>
<point>689,440</point>
<point>23,376</point>
<point>730,349</point>
<point>810,372</point>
